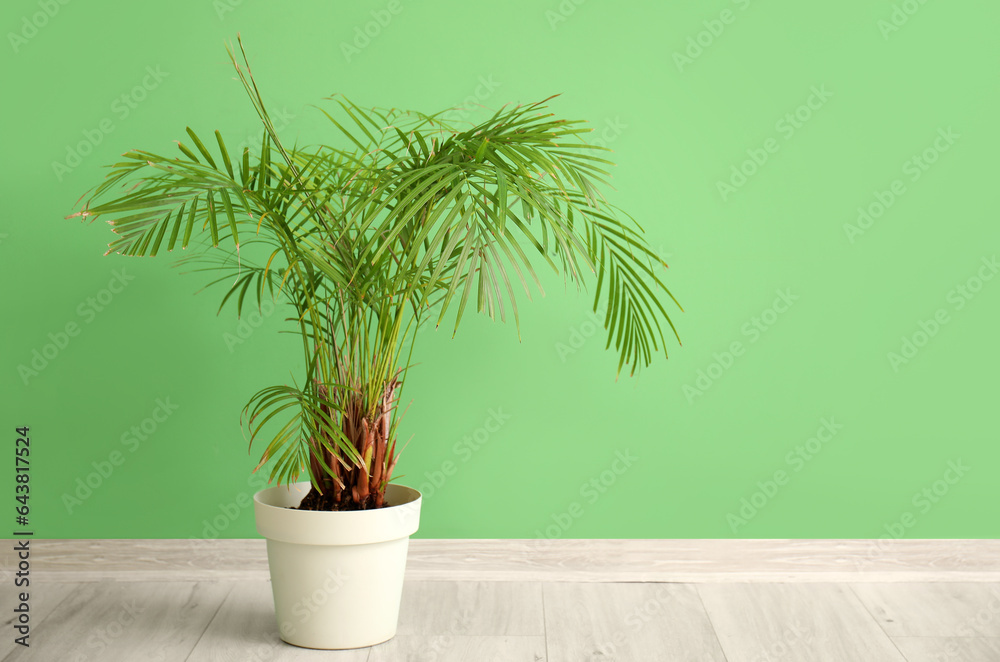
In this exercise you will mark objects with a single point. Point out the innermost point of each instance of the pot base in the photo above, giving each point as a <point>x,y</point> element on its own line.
<point>337,596</point>
<point>337,577</point>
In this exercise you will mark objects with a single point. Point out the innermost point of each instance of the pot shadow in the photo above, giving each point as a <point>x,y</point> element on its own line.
<point>245,628</point>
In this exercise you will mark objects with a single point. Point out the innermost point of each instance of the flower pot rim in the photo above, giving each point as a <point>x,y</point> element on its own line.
<point>276,521</point>
<point>395,489</point>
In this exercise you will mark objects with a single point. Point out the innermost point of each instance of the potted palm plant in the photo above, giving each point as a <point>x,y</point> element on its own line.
<point>402,224</point>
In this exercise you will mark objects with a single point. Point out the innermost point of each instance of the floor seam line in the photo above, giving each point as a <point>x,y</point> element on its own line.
<point>711,623</point>
<point>210,621</point>
<point>892,641</point>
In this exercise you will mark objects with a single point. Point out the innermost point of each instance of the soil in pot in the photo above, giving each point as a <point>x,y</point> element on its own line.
<point>328,502</point>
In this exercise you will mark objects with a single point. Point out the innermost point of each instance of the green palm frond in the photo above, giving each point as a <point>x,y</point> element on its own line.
<point>412,220</point>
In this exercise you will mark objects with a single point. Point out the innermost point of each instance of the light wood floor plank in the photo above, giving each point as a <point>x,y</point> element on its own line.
<point>687,561</point>
<point>42,600</point>
<point>151,622</point>
<point>582,622</point>
<point>800,622</point>
<point>953,649</point>
<point>471,608</point>
<point>460,649</point>
<point>934,609</point>
<point>244,630</point>
<point>627,622</point>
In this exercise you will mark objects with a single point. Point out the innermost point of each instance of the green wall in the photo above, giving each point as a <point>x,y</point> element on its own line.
<point>838,373</point>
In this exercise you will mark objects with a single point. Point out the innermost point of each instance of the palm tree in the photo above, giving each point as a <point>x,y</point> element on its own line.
<point>368,242</point>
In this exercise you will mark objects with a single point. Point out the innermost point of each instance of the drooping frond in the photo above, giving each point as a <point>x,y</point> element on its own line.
<point>403,219</point>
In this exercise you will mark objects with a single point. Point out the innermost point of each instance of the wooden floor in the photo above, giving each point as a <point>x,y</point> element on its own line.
<point>155,608</point>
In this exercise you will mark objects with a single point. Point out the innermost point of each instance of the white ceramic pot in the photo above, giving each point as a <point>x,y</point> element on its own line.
<point>337,577</point>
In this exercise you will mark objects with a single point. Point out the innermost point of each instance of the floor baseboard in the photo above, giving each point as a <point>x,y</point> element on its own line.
<point>591,560</point>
